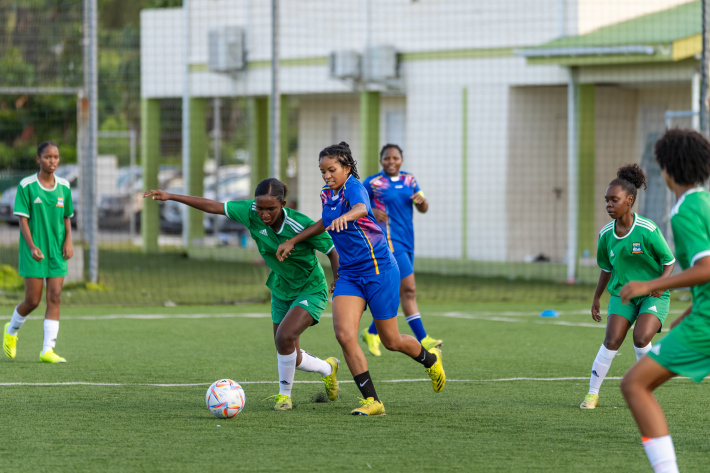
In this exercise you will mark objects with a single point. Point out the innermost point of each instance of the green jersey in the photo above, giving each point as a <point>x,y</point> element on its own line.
<point>637,256</point>
<point>690,220</point>
<point>45,209</point>
<point>300,273</point>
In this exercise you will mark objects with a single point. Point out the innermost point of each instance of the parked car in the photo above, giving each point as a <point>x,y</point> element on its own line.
<point>116,210</point>
<point>233,183</point>
<point>70,172</point>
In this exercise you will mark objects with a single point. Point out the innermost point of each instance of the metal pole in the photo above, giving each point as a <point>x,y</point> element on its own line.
<point>275,94</point>
<point>186,117</point>
<point>705,59</point>
<point>217,137</point>
<point>89,210</point>
<point>572,173</point>
<point>132,163</point>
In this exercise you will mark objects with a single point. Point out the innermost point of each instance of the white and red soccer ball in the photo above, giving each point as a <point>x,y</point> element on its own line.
<point>225,398</point>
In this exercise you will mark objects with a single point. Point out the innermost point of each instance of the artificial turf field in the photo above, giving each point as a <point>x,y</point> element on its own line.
<point>131,397</point>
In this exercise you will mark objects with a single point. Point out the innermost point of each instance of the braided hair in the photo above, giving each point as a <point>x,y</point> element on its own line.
<point>272,187</point>
<point>341,152</point>
<point>44,145</point>
<point>630,178</point>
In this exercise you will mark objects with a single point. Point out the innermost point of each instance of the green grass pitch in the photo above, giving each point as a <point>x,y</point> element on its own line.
<point>131,397</point>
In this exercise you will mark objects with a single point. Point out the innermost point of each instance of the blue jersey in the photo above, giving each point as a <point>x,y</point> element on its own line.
<point>362,247</point>
<point>394,196</point>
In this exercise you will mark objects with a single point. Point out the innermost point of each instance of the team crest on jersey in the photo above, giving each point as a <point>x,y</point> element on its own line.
<point>636,248</point>
<point>60,202</point>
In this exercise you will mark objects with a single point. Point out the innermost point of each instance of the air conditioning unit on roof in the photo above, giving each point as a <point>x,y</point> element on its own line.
<point>226,49</point>
<point>344,64</point>
<point>379,64</point>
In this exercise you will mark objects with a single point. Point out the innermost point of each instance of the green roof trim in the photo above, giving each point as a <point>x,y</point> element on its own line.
<point>649,38</point>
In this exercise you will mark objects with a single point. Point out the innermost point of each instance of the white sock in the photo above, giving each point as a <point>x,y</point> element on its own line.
<point>642,351</point>
<point>661,454</point>
<point>287,370</point>
<point>15,323</point>
<point>51,329</point>
<point>314,364</point>
<point>600,368</point>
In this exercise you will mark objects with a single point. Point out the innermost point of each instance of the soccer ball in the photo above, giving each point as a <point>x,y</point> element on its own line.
<point>225,398</point>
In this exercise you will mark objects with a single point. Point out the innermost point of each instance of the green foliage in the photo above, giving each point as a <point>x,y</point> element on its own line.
<point>9,279</point>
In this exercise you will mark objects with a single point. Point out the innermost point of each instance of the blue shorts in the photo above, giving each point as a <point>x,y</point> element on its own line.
<point>380,291</point>
<point>405,261</point>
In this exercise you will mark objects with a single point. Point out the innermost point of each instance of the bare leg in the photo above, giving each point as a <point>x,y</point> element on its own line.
<point>347,312</point>
<point>33,295</point>
<point>395,341</point>
<point>54,297</point>
<point>637,386</point>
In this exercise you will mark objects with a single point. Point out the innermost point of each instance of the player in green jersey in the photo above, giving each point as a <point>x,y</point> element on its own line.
<point>684,158</point>
<point>299,292</point>
<point>44,206</point>
<point>630,247</point>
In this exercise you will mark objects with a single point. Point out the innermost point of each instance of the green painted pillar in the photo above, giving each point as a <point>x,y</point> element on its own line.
<point>586,230</point>
<point>368,162</point>
<point>150,157</point>
<point>198,151</point>
<point>259,111</point>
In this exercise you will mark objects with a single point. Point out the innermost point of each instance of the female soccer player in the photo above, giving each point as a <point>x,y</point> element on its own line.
<point>393,194</point>
<point>368,275</point>
<point>299,291</point>
<point>44,206</point>
<point>684,158</point>
<point>630,247</point>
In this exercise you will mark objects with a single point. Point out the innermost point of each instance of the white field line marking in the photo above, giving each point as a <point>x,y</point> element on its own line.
<point>181,385</point>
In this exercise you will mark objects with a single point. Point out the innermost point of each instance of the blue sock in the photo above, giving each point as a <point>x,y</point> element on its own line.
<point>415,323</point>
<point>372,329</point>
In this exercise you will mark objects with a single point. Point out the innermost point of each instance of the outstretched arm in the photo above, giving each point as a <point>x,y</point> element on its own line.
<point>286,247</point>
<point>698,274</point>
<point>199,203</point>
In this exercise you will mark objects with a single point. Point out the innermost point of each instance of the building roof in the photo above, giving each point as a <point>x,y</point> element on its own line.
<point>666,36</point>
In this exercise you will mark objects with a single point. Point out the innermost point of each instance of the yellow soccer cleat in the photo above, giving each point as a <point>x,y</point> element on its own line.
<point>428,343</point>
<point>372,340</point>
<point>50,357</point>
<point>436,372</point>
<point>283,402</point>
<point>369,407</point>
<point>331,381</point>
<point>590,401</point>
<point>9,343</point>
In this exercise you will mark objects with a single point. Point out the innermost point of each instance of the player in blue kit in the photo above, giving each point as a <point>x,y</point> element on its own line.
<point>367,276</point>
<point>393,196</point>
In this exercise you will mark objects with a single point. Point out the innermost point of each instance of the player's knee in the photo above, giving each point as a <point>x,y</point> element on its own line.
<point>32,303</point>
<point>642,340</point>
<point>408,292</point>
<point>345,337</point>
<point>391,344</point>
<point>613,342</point>
<point>54,298</point>
<point>627,386</point>
<point>284,341</point>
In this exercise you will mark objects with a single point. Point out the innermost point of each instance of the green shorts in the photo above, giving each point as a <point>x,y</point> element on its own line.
<point>674,356</point>
<point>657,306</point>
<point>313,303</point>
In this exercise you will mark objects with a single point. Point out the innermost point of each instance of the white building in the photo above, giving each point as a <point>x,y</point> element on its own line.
<point>479,105</point>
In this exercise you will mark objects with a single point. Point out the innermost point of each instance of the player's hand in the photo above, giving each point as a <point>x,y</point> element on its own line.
<point>338,225</point>
<point>157,194</point>
<point>67,250</point>
<point>633,289</point>
<point>418,198</point>
<point>656,293</point>
<point>380,215</point>
<point>284,250</point>
<point>37,254</point>
<point>596,314</point>
<point>332,286</point>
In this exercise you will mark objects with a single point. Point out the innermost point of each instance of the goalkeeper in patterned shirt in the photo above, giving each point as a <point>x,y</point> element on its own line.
<point>684,158</point>
<point>299,292</point>
<point>630,247</point>
<point>44,205</point>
